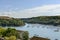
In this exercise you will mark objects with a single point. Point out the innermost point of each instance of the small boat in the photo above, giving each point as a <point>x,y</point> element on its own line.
<point>28,26</point>
<point>56,39</point>
<point>56,30</point>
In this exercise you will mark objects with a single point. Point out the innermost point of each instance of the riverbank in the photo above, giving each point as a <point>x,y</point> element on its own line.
<point>38,38</point>
<point>47,20</point>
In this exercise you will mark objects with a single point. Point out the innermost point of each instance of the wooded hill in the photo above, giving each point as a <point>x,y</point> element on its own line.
<point>51,20</point>
<point>10,21</point>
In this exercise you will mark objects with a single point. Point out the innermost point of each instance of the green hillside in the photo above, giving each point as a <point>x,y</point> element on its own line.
<point>51,20</point>
<point>9,21</point>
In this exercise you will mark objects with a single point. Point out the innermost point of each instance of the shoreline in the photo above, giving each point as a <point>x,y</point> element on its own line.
<point>44,23</point>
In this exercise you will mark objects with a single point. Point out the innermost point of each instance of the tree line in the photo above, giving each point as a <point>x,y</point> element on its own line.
<point>7,21</point>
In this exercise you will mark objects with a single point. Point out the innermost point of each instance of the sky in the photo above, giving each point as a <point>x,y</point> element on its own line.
<point>29,8</point>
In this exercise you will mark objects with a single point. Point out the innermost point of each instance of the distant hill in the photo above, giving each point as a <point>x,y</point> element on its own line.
<point>49,20</point>
<point>10,21</point>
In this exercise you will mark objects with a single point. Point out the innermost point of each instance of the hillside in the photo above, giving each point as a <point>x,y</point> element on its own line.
<point>13,34</point>
<point>10,21</point>
<point>49,20</point>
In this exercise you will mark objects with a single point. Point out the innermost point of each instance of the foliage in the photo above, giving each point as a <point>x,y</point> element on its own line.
<point>8,32</point>
<point>12,34</point>
<point>10,38</point>
<point>52,20</point>
<point>25,36</point>
<point>7,21</point>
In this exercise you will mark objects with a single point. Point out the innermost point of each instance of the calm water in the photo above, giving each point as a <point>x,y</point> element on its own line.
<point>46,31</point>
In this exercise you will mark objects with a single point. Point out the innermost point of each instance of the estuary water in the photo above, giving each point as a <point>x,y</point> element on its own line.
<point>45,31</point>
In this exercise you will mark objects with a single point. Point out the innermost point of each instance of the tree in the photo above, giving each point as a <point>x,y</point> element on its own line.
<point>25,35</point>
<point>10,38</point>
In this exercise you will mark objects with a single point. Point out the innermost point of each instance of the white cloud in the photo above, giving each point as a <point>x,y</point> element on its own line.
<point>45,10</point>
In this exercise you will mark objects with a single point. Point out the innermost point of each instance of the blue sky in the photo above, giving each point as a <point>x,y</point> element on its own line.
<point>15,6</point>
<point>24,4</point>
